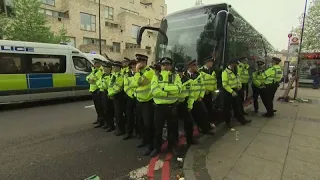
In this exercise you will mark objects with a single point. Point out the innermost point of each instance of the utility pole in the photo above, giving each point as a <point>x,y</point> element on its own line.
<point>100,49</point>
<point>299,57</point>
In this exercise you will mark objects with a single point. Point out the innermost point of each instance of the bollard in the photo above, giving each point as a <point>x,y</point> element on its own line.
<point>237,135</point>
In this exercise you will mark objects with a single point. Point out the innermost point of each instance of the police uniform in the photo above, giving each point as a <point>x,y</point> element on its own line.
<point>165,89</point>
<point>92,79</point>
<point>257,84</point>
<point>243,73</point>
<point>142,83</point>
<point>107,104</point>
<point>199,110</point>
<point>185,106</point>
<point>125,69</point>
<point>115,92</point>
<point>231,87</point>
<point>130,99</point>
<point>210,83</point>
<point>271,77</point>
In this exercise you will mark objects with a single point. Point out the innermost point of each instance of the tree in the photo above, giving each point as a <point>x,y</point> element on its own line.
<point>4,20</point>
<point>311,29</point>
<point>29,24</point>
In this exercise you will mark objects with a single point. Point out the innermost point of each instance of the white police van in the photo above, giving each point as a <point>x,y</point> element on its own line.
<point>38,71</point>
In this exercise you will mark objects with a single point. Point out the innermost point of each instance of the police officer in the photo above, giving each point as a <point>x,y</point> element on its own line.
<point>130,99</point>
<point>142,82</point>
<point>165,89</point>
<point>107,104</point>
<point>199,110</point>
<point>210,84</point>
<point>231,88</point>
<point>115,92</point>
<point>257,84</point>
<point>92,78</point>
<point>186,100</point>
<point>272,77</point>
<point>243,73</point>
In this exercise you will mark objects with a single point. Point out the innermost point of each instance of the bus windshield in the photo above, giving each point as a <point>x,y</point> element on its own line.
<point>190,34</point>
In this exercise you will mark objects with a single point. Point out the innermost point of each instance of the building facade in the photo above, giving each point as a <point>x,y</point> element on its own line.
<point>120,22</point>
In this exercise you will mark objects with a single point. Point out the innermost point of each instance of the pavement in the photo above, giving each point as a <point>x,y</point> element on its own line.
<point>56,140</point>
<point>285,147</point>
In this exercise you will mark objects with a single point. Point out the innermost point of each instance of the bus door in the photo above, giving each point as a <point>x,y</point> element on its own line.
<point>82,68</point>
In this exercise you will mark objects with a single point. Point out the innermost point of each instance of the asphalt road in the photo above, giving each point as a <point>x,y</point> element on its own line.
<point>58,141</point>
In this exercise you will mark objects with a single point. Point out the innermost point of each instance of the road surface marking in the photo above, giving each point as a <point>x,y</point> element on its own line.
<point>90,106</point>
<point>139,173</point>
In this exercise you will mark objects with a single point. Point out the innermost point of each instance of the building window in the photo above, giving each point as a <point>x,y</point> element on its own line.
<point>52,13</point>
<point>134,31</point>
<point>108,13</point>
<point>47,63</point>
<point>87,41</point>
<point>132,46</point>
<point>131,1</point>
<point>88,22</point>
<point>81,64</point>
<point>129,11</point>
<point>49,2</point>
<point>116,47</point>
<point>111,25</point>
<point>72,41</point>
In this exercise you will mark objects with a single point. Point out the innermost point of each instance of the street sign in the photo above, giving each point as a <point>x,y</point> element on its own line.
<point>294,41</point>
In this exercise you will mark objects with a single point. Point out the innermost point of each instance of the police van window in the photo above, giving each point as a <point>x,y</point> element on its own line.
<point>47,63</point>
<point>81,64</point>
<point>11,64</point>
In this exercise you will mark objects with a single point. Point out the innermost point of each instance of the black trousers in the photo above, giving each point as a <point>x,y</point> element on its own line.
<point>256,93</point>
<point>268,94</point>
<point>118,102</point>
<point>96,97</point>
<point>147,122</point>
<point>130,114</point>
<point>207,100</point>
<point>162,113</point>
<point>200,115</point>
<point>232,103</point>
<point>186,116</point>
<point>108,107</point>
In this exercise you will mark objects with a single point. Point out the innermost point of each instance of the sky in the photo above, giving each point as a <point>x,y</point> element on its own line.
<point>273,18</point>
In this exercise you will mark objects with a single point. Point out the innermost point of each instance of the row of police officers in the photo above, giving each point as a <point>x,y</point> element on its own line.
<point>130,96</point>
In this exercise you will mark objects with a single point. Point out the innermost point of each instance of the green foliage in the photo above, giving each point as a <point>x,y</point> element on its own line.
<point>29,24</point>
<point>311,29</point>
<point>4,21</point>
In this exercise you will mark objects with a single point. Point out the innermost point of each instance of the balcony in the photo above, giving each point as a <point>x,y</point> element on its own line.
<point>146,2</point>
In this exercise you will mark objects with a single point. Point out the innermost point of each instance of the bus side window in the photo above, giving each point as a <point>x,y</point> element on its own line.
<point>81,64</point>
<point>47,63</point>
<point>11,64</point>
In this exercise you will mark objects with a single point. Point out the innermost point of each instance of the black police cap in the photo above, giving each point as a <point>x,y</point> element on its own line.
<point>117,63</point>
<point>179,68</point>
<point>141,57</point>
<point>275,59</point>
<point>125,59</point>
<point>166,60</point>
<point>95,60</point>
<point>207,59</point>
<point>191,62</point>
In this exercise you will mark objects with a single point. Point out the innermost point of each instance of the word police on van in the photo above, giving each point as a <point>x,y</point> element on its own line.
<point>17,48</point>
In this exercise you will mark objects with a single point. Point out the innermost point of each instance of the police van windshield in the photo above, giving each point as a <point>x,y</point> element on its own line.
<point>190,34</point>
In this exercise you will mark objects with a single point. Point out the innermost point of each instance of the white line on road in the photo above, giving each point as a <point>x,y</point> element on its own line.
<point>90,106</point>
<point>140,172</point>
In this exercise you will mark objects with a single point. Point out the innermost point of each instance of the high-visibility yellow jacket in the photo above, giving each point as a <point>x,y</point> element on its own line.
<point>187,91</point>
<point>257,78</point>
<point>166,87</point>
<point>116,84</point>
<point>103,82</point>
<point>230,81</point>
<point>272,75</point>
<point>128,87</point>
<point>142,83</point>
<point>94,76</point>
<point>243,72</point>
